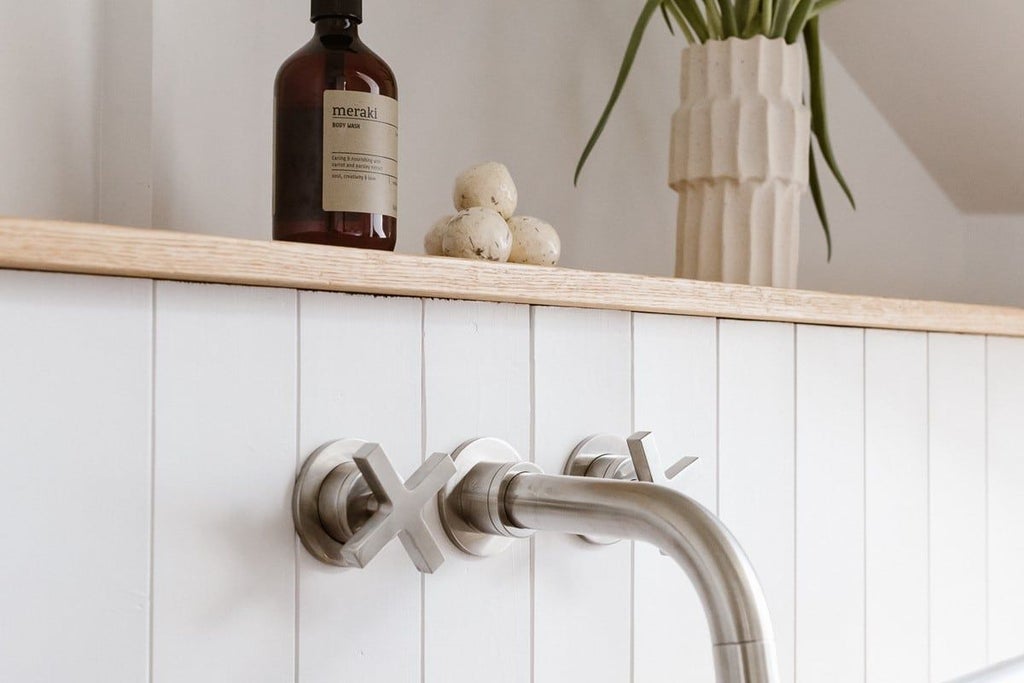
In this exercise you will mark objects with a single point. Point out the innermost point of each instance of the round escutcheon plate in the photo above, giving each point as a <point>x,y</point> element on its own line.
<point>584,455</point>
<point>466,457</point>
<point>306,495</point>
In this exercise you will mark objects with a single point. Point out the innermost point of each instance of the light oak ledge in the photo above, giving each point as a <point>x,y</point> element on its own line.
<point>165,255</point>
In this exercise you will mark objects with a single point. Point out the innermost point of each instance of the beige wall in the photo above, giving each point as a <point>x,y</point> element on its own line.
<point>174,101</point>
<point>48,108</point>
<point>906,238</point>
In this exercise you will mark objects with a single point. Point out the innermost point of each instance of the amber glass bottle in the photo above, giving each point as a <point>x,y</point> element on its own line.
<point>336,137</point>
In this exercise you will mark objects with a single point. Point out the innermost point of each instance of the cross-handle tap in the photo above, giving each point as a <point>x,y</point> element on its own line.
<point>349,502</point>
<point>634,459</point>
<point>606,456</point>
<point>643,451</point>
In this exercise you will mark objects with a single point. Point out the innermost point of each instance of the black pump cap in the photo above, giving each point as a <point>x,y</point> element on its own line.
<point>321,9</point>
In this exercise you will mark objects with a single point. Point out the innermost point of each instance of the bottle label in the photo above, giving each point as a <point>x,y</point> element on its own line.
<point>360,153</point>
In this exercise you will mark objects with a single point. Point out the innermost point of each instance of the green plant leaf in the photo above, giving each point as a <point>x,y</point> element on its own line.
<point>650,7</point>
<point>752,19</point>
<point>714,19</point>
<point>819,200</point>
<point>742,12</point>
<point>668,21</point>
<point>694,18</point>
<point>798,21</point>
<point>767,14</point>
<point>681,21</point>
<point>782,13</point>
<point>819,121</point>
<point>729,27</point>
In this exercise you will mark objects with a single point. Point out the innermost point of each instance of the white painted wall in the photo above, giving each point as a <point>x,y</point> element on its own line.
<point>906,238</point>
<point>938,70</point>
<point>167,113</point>
<point>49,113</point>
<point>150,433</point>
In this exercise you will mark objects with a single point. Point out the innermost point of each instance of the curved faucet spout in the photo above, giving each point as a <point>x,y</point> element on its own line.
<point>733,601</point>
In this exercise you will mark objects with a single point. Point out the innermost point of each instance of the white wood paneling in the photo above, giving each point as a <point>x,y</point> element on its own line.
<point>360,377</point>
<point>829,505</point>
<point>477,383</point>
<point>75,388</point>
<point>852,467</point>
<point>223,551</point>
<point>756,461</point>
<point>582,593</point>
<point>675,387</point>
<point>1006,497</point>
<point>896,505</point>
<point>957,505</point>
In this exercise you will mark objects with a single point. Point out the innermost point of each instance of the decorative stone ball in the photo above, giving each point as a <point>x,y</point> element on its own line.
<point>534,241</point>
<point>432,242</point>
<point>489,185</point>
<point>477,233</point>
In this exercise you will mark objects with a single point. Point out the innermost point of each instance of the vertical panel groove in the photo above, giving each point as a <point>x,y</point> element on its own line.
<point>796,497</point>
<point>297,544</point>
<point>988,515</point>
<point>632,611</point>
<point>632,544</point>
<point>533,458</point>
<point>718,417</point>
<point>152,463</point>
<point>864,502</point>
<point>928,494</point>
<point>423,455</point>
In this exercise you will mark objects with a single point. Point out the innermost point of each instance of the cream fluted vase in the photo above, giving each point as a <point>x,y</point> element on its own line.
<point>739,154</point>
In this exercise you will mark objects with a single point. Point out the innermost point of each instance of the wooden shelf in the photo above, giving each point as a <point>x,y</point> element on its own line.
<point>165,255</point>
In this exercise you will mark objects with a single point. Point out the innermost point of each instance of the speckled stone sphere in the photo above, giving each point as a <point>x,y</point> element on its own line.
<point>432,242</point>
<point>488,185</point>
<point>478,233</point>
<point>534,241</point>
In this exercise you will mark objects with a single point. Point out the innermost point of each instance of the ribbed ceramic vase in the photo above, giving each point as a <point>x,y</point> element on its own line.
<point>740,145</point>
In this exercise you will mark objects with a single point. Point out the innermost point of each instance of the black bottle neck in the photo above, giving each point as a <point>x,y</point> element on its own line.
<point>337,26</point>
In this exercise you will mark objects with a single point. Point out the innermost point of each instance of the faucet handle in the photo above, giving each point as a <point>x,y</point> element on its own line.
<point>606,456</point>
<point>643,451</point>
<point>399,509</point>
<point>349,502</point>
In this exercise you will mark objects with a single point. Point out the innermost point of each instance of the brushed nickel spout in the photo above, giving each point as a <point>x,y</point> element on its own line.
<point>500,498</point>
<point>728,588</point>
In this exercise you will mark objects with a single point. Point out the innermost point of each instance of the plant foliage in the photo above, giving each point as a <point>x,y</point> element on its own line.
<point>702,20</point>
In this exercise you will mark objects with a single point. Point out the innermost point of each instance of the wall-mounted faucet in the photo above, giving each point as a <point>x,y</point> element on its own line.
<point>349,502</point>
<point>494,495</point>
